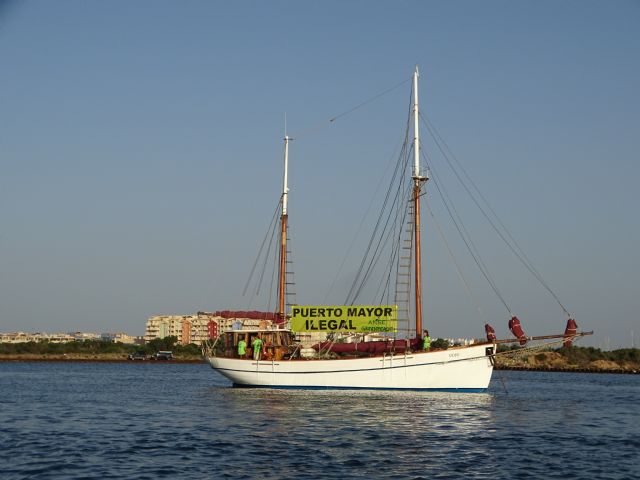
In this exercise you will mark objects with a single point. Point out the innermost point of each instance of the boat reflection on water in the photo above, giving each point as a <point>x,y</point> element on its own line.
<point>363,426</point>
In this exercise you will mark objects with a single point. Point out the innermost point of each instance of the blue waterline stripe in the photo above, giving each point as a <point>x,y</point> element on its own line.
<point>296,387</point>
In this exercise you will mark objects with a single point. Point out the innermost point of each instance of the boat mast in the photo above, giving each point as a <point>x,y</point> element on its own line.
<point>417,186</point>
<point>283,235</point>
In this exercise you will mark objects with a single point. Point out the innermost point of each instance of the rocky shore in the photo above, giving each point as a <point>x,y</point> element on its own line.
<point>554,361</point>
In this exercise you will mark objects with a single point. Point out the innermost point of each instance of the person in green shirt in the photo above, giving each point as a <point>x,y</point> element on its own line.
<point>242,348</point>
<point>426,341</point>
<point>257,347</point>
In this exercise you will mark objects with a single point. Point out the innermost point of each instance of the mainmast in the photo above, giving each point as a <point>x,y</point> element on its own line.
<point>282,273</point>
<point>417,186</point>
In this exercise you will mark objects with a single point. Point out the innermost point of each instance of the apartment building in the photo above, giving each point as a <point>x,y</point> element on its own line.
<point>197,328</point>
<point>187,328</point>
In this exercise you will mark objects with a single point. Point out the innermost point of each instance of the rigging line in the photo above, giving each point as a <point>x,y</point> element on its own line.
<point>276,255</point>
<point>391,224</point>
<point>373,258</point>
<point>266,256</point>
<point>362,220</point>
<point>512,244</point>
<point>374,234</point>
<point>383,234</point>
<point>401,160</point>
<point>394,250</point>
<point>394,261</point>
<point>370,100</point>
<point>467,241</point>
<point>455,262</point>
<point>466,236</point>
<point>401,213</point>
<point>400,222</point>
<point>525,261</point>
<point>430,126</point>
<point>383,289</point>
<point>264,240</point>
<point>326,123</point>
<point>394,234</point>
<point>393,258</point>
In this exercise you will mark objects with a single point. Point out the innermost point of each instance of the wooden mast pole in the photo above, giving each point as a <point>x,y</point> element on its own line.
<point>282,273</point>
<point>417,186</point>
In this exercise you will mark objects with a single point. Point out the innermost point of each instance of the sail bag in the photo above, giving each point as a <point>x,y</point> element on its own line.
<point>569,332</point>
<point>516,329</point>
<point>491,333</point>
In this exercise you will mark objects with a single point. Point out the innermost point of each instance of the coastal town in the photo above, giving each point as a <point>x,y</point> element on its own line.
<point>186,334</point>
<point>188,329</point>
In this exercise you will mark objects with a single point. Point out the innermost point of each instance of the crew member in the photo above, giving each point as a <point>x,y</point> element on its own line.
<point>257,347</point>
<point>242,348</point>
<point>426,341</point>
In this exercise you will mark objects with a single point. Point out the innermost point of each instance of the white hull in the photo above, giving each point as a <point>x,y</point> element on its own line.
<point>463,369</point>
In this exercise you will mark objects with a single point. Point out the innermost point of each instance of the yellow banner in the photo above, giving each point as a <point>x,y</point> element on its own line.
<point>355,319</point>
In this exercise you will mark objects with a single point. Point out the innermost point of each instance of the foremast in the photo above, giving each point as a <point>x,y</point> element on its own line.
<point>282,271</point>
<point>418,180</point>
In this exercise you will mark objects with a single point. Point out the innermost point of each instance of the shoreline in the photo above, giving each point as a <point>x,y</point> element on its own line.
<point>91,359</point>
<point>108,359</point>
<point>567,369</point>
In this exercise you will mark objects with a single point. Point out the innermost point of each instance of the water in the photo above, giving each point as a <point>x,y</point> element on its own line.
<point>149,421</point>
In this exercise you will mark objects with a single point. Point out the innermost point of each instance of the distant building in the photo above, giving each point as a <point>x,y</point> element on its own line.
<point>19,337</point>
<point>185,337</point>
<point>81,336</point>
<point>197,328</point>
<point>200,328</point>
<point>161,326</point>
<point>22,337</point>
<point>187,328</point>
<point>236,320</point>
<point>119,337</point>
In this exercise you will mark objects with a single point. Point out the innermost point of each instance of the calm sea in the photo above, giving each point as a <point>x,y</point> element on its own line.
<point>149,421</point>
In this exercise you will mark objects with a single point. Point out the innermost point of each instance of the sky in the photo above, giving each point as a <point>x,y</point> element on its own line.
<point>141,154</point>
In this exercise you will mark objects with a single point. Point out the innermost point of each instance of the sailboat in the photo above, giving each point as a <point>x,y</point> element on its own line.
<point>396,364</point>
<point>386,362</point>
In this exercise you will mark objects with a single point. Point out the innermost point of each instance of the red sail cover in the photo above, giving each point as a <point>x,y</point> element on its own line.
<point>252,314</point>
<point>569,332</point>
<point>375,347</point>
<point>491,333</point>
<point>516,329</point>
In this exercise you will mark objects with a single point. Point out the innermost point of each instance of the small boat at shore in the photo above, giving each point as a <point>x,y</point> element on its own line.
<point>362,348</point>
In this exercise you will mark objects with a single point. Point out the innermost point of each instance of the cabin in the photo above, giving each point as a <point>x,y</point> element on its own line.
<point>276,344</point>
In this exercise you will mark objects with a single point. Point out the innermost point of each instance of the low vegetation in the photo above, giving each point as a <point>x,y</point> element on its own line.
<point>100,348</point>
<point>570,358</point>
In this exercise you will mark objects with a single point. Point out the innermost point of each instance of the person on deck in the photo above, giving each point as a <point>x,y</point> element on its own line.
<point>257,347</point>
<point>426,341</point>
<point>242,348</point>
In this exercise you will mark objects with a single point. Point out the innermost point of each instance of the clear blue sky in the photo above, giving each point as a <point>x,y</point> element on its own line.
<point>141,150</point>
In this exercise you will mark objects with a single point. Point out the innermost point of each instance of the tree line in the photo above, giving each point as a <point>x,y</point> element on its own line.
<point>96,347</point>
<point>584,355</point>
